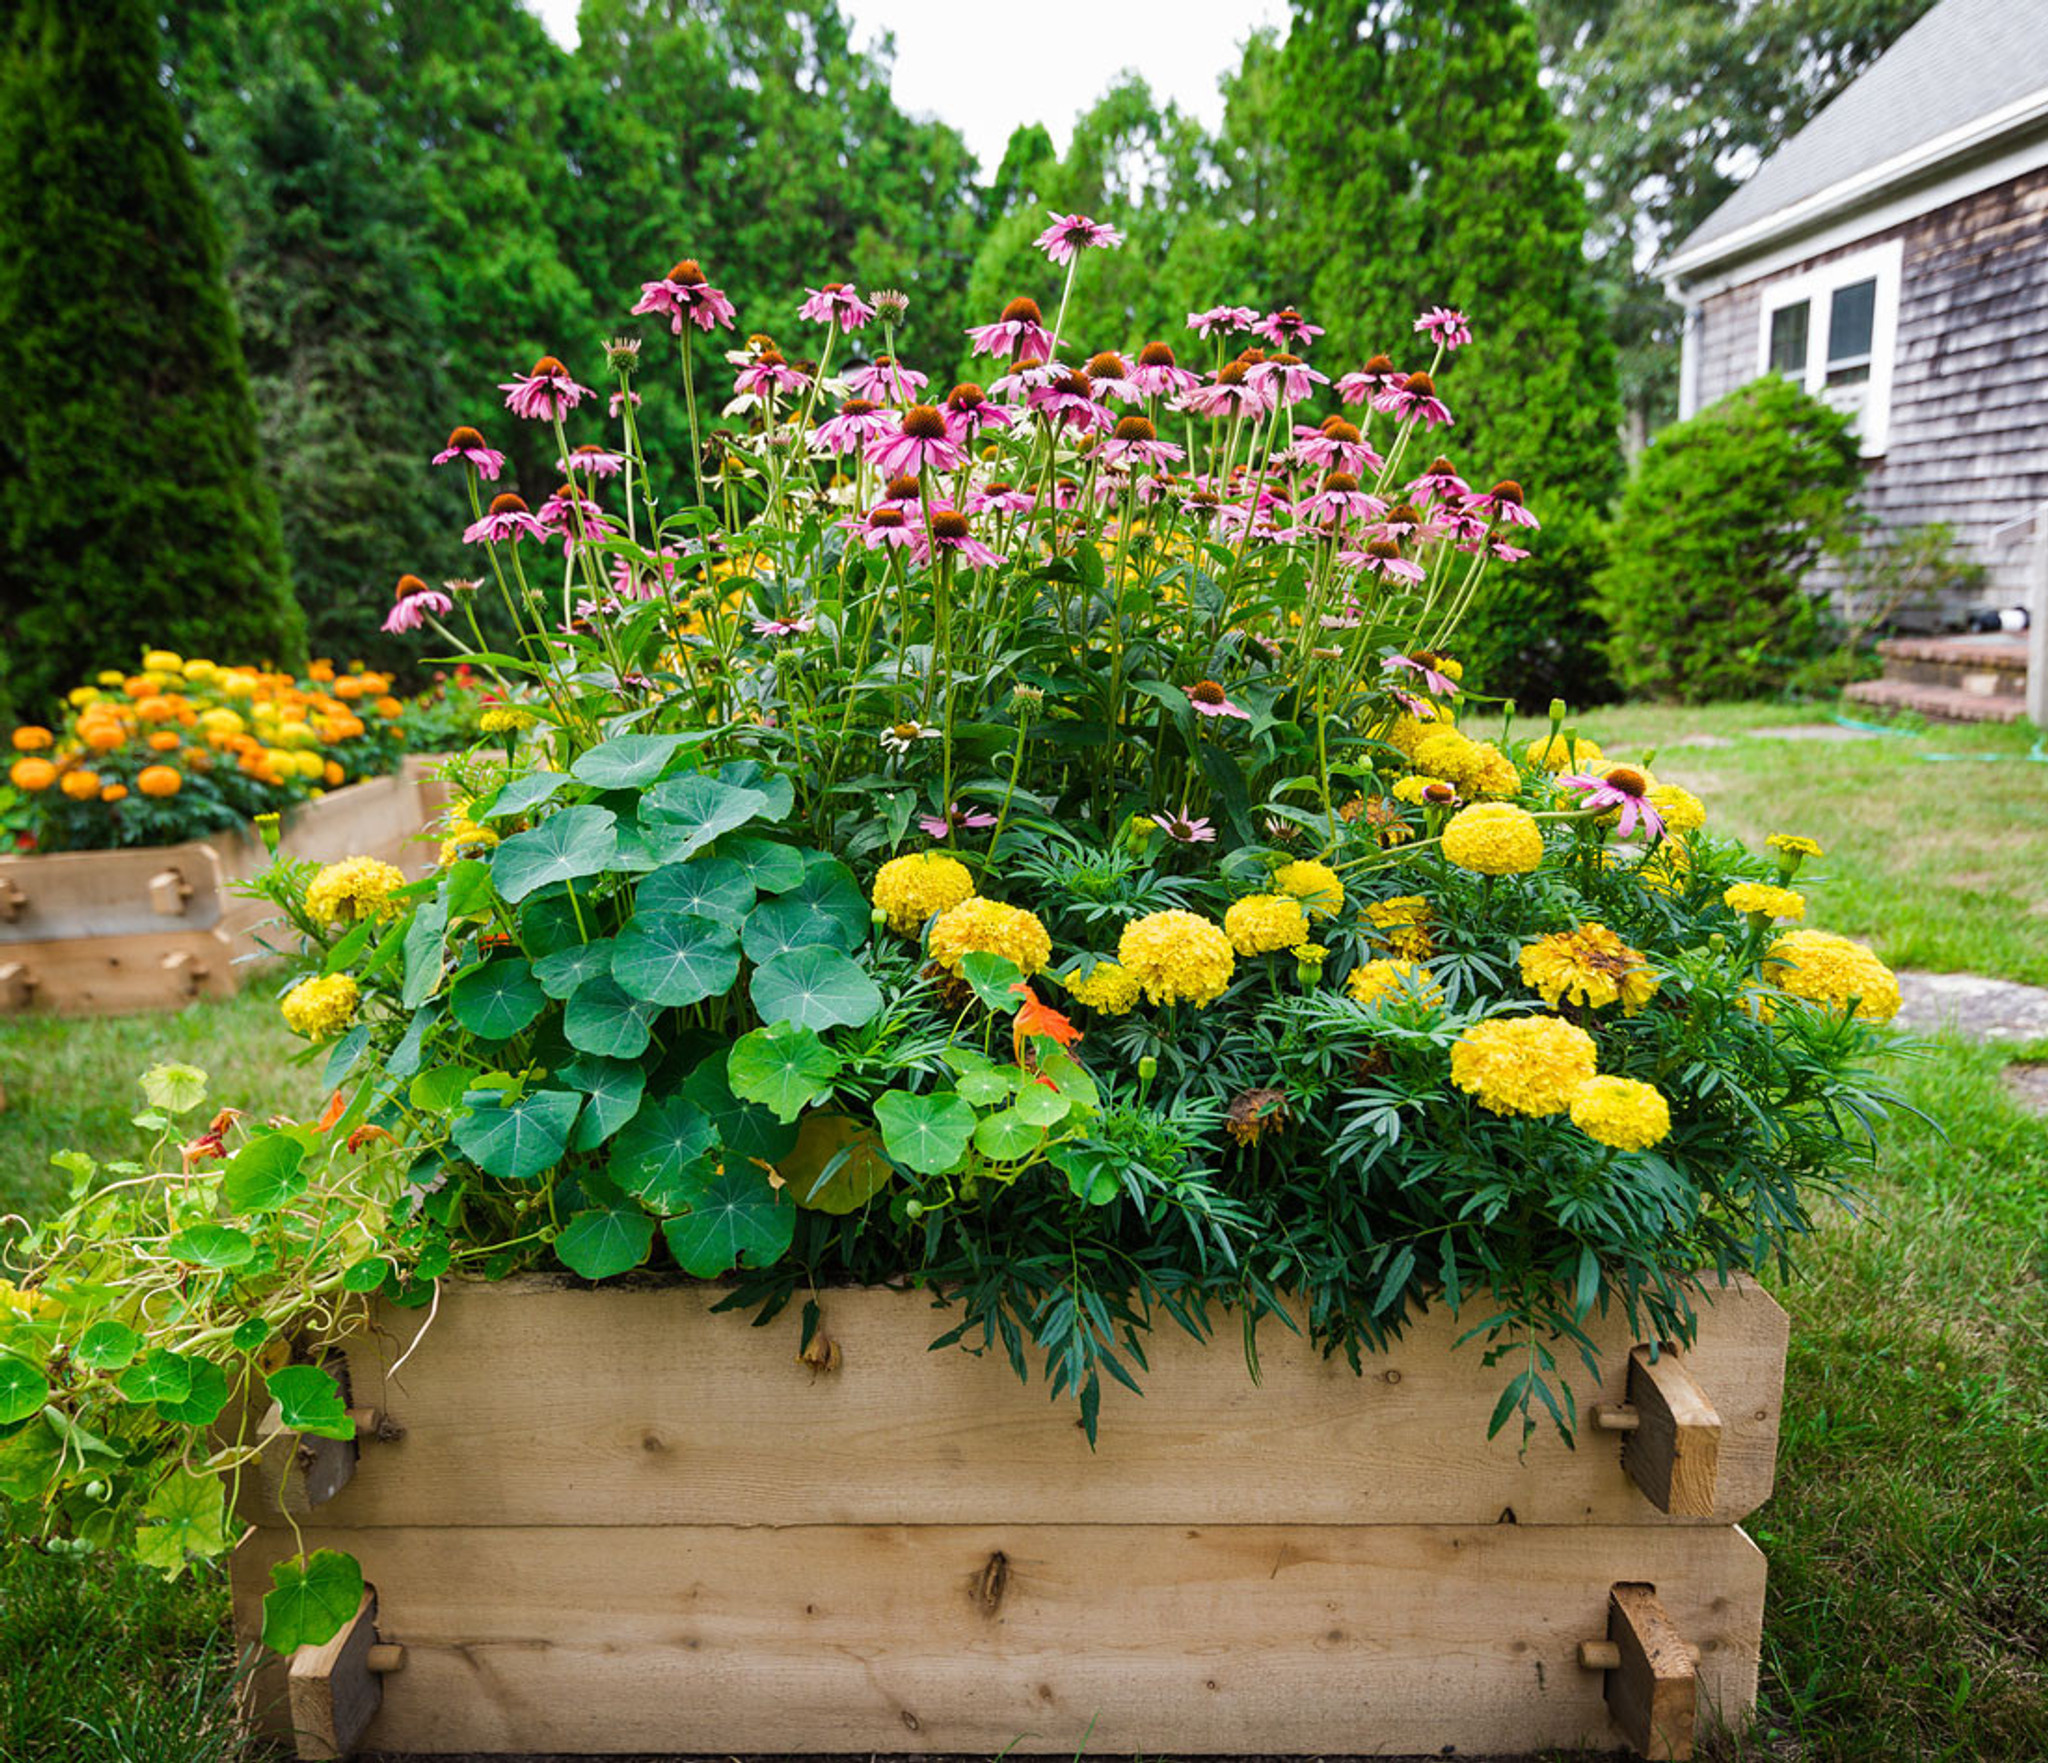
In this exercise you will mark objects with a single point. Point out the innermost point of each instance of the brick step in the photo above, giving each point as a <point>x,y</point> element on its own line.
<point>1988,666</point>
<point>1937,703</point>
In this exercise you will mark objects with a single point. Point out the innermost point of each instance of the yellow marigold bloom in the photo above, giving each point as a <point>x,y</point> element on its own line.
<point>1666,869</point>
<point>1403,924</point>
<point>31,739</point>
<point>163,661</point>
<point>988,927</point>
<point>318,1008</point>
<point>1446,753</point>
<point>1177,957</point>
<point>466,839</point>
<point>1555,753</point>
<point>1491,772</point>
<point>1494,838</point>
<point>1591,966</point>
<point>1772,902</point>
<point>114,793</point>
<point>1261,923</point>
<point>1111,989</point>
<point>160,780</point>
<point>1316,885</point>
<point>503,719</point>
<point>1376,980</point>
<point>1412,789</point>
<point>1621,1112</point>
<point>1682,811</point>
<point>1793,845</point>
<point>1831,970</point>
<point>910,889</point>
<point>353,889</point>
<point>1522,1064</point>
<point>1406,732</point>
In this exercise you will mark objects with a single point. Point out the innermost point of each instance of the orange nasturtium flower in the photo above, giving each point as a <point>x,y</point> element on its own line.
<point>1038,1020</point>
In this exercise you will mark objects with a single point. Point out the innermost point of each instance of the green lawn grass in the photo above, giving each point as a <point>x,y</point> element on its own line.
<point>1908,1538</point>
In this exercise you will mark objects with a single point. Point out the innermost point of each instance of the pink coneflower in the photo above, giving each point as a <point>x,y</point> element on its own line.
<point>618,402</point>
<point>1441,482</point>
<point>466,443</point>
<point>767,374</point>
<point>949,531</point>
<point>1461,523</point>
<point>999,499</point>
<point>1336,445</point>
<point>593,460</point>
<point>1221,321</point>
<point>1284,378</point>
<point>636,578</point>
<point>1382,557</point>
<point>1184,831</point>
<point>1287,329</point>
<point>545,393</point>
<point>508,517</point>
<point>1404,521</point>
<point>784,627</point>
<point>1505,552</point>
<point>1135,441</point>
<point>1020,331</point>
<point>571,513</point>
<point>860,420</point>
<point>683,296</point>
<point>1209,699</point>
<point>1028,374</point>
<point>1504,503</point>
<point>959,818</point>
<point>1340,497</point>
<point>887,528</point>
<point>886,380</point>
<point>1231,395</point>
<point>413,601</point>
<point>1157,375</point>
<point>968,412</point>
<point>1446,327</point>
<point>1110,377</point>
<point>1414,397</point>
<point>1625,789</point>
<point>921,441</point>
<point>836,302</point>
<point>1069,402</point>
<point>1377,375</point>
<point>1441,684</point>
<point>1071,234</point>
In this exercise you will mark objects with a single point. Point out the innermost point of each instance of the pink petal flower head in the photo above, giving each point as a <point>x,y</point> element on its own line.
<point>1232,394</point>
<point>768,373</point>
<point>619,401</point>
<point>999,498</point>
<point>784,627</point>
<point>1505,552</point>
<point>545,393</point>
<point>1020,331</point>
<point>1184,831</point>
<point>1027,374</point>
<point>949,531</point>
<point>1135,441</point>
<point>1382,557</point>
<point>1284,379</point>
<point>636,578</point>
<point>466,444</point>
<point>1336,445</point>
<point>1287,329</point>
<point>968,412</point>
<point>683,296</point>
<point>1441,684</point>
<point>921,441</point>
<point>886,381</point>
<point>1440,482</point>
<point>1209,699</point>
<point>836,302</point>
<point>1504,503</point>
<point>412,601</point>
<point>1221,321</point>
<point>1624,789</point>
<point>1070,402</point>
<point>1158,375</point>
<point>887,528</point>
<point>1109,376</point>
<point>1341,499</point>
<point>1448,328</point>
<point>592,461</point>
<point>1376,376</point>
<point>1414,398</point>
<point>860,420</point>
<point>507,518</point>
<point>958,818</point>
<point>1071,234</point>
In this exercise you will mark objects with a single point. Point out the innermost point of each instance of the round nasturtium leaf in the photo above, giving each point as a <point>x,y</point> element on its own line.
<point>106,1346</point>
<point>499,999</point>
<point>265,1174</point>
<point>675,958</point>
<point>816,988</point>
<point>926,1133</point>
<point>606,1020</point>
<point>520,1140</point>
<point>708,887</point>
<point>605,1241</point>
<point>159,1376</point>
<point>784,1067</point>
<point>212,1245</point>
<point>309,1400</point>
<point>1006,1136</point>
<point>569,843</point>
<point>736,1218</point>
<point>310,1600</point>
<point>664,1152</point>
<point>629,762</point>
<point>23,1389</point>
<point>202,1404</point>
<point>835,1166</point>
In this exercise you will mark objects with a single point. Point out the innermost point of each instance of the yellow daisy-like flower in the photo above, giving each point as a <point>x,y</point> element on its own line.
<point>1793,845</point>
<point>318,1008</point>
<point>1110,989</point>
<point>1522,1064</point>
<point>505,719</point>
<point>1772,902</point>
<point>1831,970</point>
<point>1403,924</point>
<point>988,927</point>
<point>1316,885</point>
<point>1555,753</point>
<point>910,889</point>
<point>1621,1112</point>
<point>1494,838</point>
<point>1393,979</point>
<point>353,889</point>
<point>1413,790</point>
<point>1681,811</point>
<point>467,839</point>
<point>1177,957</point>
<point>1261,923</point>
<point>1591,966</point>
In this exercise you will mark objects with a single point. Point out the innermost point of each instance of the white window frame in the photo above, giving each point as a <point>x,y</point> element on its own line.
<point>1882,264</point>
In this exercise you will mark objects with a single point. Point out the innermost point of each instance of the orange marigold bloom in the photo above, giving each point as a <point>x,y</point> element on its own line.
<point>165,740</point>
<point>114,793</point>
<point>159,780</point>
<point>32,774</point>
<point>81,786</point>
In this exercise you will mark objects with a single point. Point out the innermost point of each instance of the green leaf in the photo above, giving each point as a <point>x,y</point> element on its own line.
<point>816,988</point>
<point>772,867</point>
<point>784,1067</point>
<point>520,1140</point>
<point>708,887</point>
<point>162,1376</point>
<point>341,1059</point>
<point>311,1600</point>
<point>664,1153</point>
<point>1068,1077</point>
<point>680,817</point>
<point>176,1089</point>
<point>835,1166</point>
<point>550,922</point>
<point>988,1087</point>
<point>747,774</point>
<point>264,1174</point>
<point>499,999</point>
<point>627,762</point>
<point>467,888</point>
<point>524,793</point>
<point>437,1091</point>
<point>23,1389</point>
<point>675,958</point>
<point>351,945</point>
<point>570,843</point>
<point>1006,1136</point>
<point>106,1346</point>
<point>613,1088</point>
<point>829,889</point>
<point>564,973</point>
<point>423,953</point>
<point>185,1520</point>
<point>926,1133</point>
<point>309,1400</point>
<point>212,1245</point>
<point>735,1219</point>
<point>368,1276</point>
<point>604,1242</point>
<point>250,1334</point>
<point>207,1397</point>
<point>1041,1106</point>
<point>605,1019</point>
<point>995,980</point>
<point>746,1129</point>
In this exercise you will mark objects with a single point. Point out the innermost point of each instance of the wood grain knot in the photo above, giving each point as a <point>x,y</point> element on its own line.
<point>993,1582</point>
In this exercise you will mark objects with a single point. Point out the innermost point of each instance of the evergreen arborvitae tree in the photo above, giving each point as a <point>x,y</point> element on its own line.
<point>133,506</point>
<point>1424,168</point>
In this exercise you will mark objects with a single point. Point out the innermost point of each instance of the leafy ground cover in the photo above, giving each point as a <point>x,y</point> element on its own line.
<point>1909,1534</point>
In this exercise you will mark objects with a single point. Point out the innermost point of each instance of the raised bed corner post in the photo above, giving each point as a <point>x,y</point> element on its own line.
<point>1671,1446</point>
<point>299,1471</point>
<point>337,1687</point>
<point>1652,1684</point>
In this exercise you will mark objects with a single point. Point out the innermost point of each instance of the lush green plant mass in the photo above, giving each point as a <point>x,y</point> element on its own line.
<point>1034,842</point>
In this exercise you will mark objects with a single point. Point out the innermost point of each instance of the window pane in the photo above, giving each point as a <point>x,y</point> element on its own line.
<point>1788,340</point>
<point>1853,374</point>
<point>1851,316</point>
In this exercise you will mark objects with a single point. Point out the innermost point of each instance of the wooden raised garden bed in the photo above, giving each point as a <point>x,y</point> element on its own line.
<point>94,933</point>
<point>604,1520</point>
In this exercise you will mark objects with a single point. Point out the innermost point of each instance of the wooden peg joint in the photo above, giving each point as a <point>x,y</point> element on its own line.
<point>168,892</point>
<point>17,986</point>
<point>13,902</point>
<point>1616,1417</point>
<point>384,1658</point>
<point>334,1688</point>
<point>1652,1690</point>
<point>1673,1451</point>
<point>187,973</point>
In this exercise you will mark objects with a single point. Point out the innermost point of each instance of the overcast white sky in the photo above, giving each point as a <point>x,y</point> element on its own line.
<point>985,67</point>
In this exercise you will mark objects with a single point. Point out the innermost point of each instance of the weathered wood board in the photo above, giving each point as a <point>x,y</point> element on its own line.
<point>538,1402</point>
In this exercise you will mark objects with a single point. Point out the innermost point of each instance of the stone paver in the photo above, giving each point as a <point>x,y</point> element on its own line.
<point>2029,1086</point>
<point>1992,1009</point>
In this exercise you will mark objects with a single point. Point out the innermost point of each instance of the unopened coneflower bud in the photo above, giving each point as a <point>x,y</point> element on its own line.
<point>890,304</point>
<point>622,354</point>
